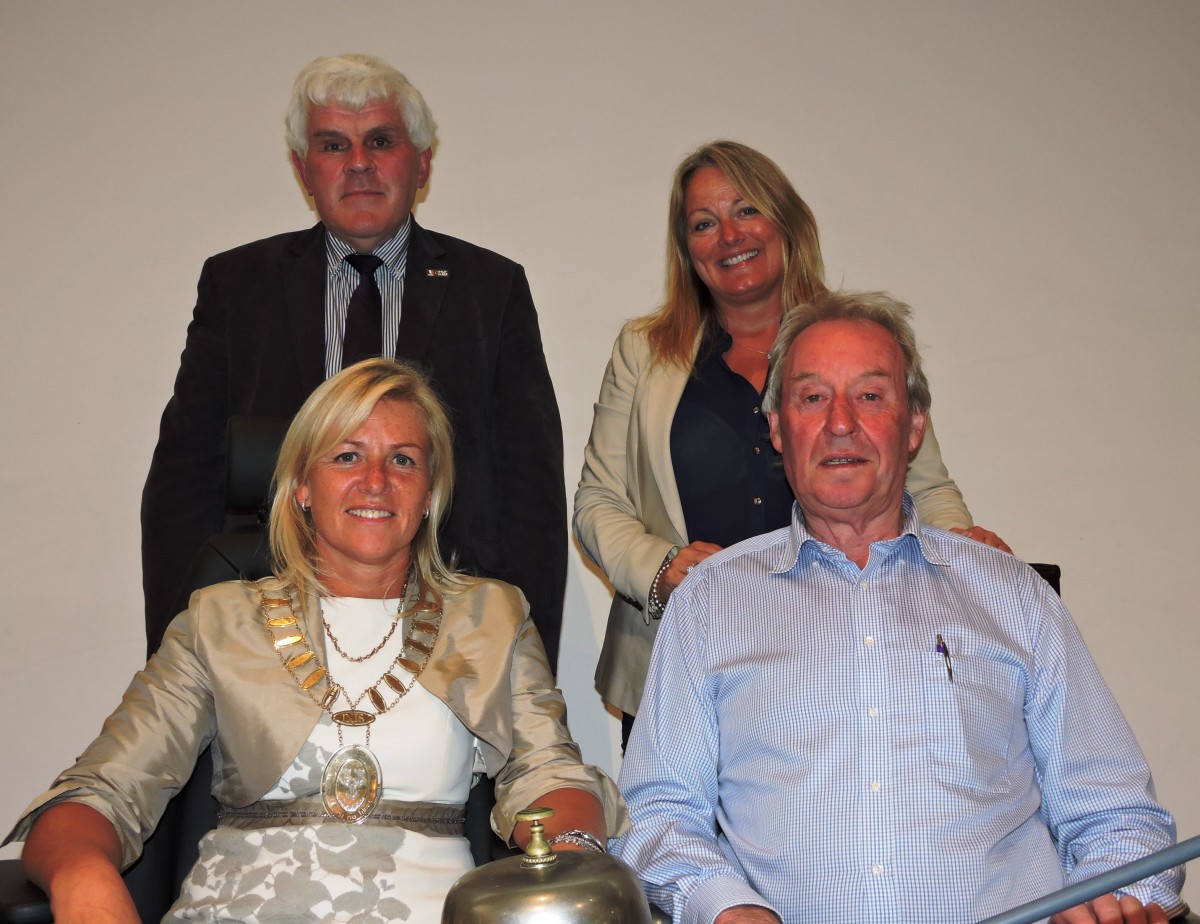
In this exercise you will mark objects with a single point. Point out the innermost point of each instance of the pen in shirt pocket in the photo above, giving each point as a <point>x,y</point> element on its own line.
<point>942,649</point>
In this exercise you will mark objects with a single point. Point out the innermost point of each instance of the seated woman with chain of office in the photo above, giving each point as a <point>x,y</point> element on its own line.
<point>352,700</point>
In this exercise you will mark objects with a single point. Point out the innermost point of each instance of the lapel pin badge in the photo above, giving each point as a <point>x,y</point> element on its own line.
<point>439,273</point>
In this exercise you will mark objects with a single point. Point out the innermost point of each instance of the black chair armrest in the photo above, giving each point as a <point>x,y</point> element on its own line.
<point>21,902</point>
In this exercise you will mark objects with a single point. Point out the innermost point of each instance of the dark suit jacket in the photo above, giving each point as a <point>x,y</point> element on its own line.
<point>256,345</point>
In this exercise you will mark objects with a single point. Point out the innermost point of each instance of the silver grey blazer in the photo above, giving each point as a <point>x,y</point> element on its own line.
<point>217,678</point>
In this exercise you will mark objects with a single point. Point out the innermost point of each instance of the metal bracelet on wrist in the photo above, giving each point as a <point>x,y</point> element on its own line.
<point>579,838</point>
<point>654,606</point>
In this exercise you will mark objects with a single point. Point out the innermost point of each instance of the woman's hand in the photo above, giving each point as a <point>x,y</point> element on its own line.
<point>574,809</point>
<point>681,565</point>
<point>986,536</point>
<point>73,854</point>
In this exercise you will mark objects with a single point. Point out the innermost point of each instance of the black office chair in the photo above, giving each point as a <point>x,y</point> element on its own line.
<point>1051,573</point>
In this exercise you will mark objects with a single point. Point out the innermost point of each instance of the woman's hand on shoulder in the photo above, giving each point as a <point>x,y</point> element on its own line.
<point>986,536</point>
<point>682,564</point>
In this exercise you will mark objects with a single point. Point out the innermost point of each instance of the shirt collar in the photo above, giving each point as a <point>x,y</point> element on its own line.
<point>392,251</point>
<point>911,529</point>
<point>716,340</point>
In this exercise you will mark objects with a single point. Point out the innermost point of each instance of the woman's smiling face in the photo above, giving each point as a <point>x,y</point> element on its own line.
<point>737,252</point>
<point>368,497</point>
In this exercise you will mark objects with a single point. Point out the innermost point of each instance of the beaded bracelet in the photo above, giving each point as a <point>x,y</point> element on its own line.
<point>654,606</point>
<point>579,838</point>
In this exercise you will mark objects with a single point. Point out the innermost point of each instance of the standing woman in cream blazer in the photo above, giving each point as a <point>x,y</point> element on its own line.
<point>679,463</point>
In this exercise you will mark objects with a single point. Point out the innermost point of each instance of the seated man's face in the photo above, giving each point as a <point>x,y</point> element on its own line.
<point>362,171</point>
<point>843,423</point>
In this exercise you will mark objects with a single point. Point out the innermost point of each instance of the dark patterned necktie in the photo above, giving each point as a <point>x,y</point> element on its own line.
<point>364,314</point>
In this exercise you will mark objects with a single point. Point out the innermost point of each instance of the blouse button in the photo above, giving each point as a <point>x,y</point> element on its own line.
<point>758,502</point>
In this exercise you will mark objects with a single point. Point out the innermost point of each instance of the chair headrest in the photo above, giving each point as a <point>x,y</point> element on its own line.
<point>1051,573</point>
<point>252,446</point>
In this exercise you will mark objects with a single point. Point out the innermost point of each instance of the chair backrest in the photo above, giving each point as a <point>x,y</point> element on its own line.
<point>1052,574</point>
<point>241,551</point>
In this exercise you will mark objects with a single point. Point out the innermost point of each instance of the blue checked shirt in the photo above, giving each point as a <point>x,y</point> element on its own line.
<point>801,744</point>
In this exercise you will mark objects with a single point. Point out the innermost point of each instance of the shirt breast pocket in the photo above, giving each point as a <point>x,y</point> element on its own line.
<point>973,722</point>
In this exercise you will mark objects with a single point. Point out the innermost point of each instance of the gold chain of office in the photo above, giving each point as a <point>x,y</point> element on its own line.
<point>286,637</point>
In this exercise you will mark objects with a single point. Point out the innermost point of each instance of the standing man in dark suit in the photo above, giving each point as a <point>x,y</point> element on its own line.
<point>274,318</point>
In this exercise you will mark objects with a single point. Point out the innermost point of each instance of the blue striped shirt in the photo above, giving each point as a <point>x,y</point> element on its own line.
<point>801,744</point>
<point>343,279</point>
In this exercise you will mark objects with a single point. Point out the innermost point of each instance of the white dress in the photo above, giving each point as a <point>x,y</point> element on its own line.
<point>340,872</point>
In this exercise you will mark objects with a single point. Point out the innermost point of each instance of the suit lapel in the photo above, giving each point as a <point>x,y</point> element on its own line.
<point>303,272</point>
<point>426,276</point>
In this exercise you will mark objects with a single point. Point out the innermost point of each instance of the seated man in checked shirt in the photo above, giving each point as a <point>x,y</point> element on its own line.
<point>861,718</point>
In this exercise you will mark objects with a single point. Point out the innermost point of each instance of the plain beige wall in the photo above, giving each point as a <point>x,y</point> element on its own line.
<point>1025,174</point>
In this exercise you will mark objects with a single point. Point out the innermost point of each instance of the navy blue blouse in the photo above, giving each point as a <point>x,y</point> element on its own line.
<point>730,478</point>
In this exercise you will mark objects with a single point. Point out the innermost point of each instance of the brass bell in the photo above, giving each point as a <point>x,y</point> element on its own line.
<point>544,887</point>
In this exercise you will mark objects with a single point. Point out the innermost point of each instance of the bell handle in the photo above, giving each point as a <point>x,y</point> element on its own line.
<point>535,813</point>
<point>538,852</point>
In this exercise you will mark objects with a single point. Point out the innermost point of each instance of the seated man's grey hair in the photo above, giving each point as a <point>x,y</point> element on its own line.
<point>877,307</point>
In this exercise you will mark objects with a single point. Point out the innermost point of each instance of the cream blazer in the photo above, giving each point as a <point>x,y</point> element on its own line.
<point>217,678</point>
<point>627,508</point>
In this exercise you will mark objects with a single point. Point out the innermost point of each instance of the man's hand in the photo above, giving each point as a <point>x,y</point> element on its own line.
<point>1108,909</point>
<point>747,914</point>
<point>986,536</point>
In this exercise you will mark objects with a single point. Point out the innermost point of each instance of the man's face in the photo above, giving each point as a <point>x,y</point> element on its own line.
<point>843,423</point>
<point>362,171</point>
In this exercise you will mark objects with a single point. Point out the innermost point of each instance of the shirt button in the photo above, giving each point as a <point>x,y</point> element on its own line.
<point>869,641</point>
<point>875,787</point>
<point>757,450</point>
<point>755,411</point>
<point>873,712</point>
<point>758,502</point>
<point>876,870</point>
